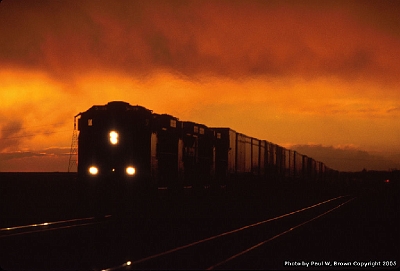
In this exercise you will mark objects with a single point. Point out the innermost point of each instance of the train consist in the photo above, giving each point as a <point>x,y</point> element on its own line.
<point>118,141</point>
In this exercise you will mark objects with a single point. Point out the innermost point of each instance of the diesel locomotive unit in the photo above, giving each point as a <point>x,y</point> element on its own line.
<point>121,143</point>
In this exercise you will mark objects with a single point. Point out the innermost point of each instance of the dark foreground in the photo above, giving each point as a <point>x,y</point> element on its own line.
<point>361,234</point>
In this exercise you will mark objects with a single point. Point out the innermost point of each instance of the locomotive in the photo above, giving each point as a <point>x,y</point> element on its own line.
<point>120,143</point>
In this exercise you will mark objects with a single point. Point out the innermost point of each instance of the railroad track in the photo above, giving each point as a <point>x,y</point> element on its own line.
<point>216,251</point>
<point>51,226</point>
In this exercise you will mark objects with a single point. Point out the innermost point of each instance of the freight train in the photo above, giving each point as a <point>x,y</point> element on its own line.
<point>131,145</point>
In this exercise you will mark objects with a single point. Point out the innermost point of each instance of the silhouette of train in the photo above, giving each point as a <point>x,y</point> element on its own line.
<point>119,142</point>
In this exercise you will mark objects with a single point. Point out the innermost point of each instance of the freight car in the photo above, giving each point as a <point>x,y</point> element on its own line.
<point>121,144</point>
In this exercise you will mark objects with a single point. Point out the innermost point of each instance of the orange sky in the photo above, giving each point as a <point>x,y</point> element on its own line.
<point>322,77</point>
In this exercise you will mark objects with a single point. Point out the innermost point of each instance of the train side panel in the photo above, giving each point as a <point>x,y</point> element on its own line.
<point>263,158</point>
<point>298,166</point>
<point>280,162</point>
<point>243,154</point>
<point>255,157</point>
<point>198,155</point>
<point>225,155</point>
<point>167,131</point>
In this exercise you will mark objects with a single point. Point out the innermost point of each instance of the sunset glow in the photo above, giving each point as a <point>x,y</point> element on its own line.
<point>322,77</point>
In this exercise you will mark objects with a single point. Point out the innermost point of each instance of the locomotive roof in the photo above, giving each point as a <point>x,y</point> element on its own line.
<point>165,116</point>
<point>117,106</point>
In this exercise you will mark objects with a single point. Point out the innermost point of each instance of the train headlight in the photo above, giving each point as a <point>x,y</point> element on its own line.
<point>93,170</point>
<point>113,137</point>
<point>130,171</point>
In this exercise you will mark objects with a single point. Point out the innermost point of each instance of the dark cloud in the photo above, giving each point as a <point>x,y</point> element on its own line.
<point>19,155</point>
<point>10,134</point>
<point>11,128</point>
<point>225,38</point>
<point>393,110</point>
<point>48,152</point>
<point>347,159</point>
<point>13,132</point>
